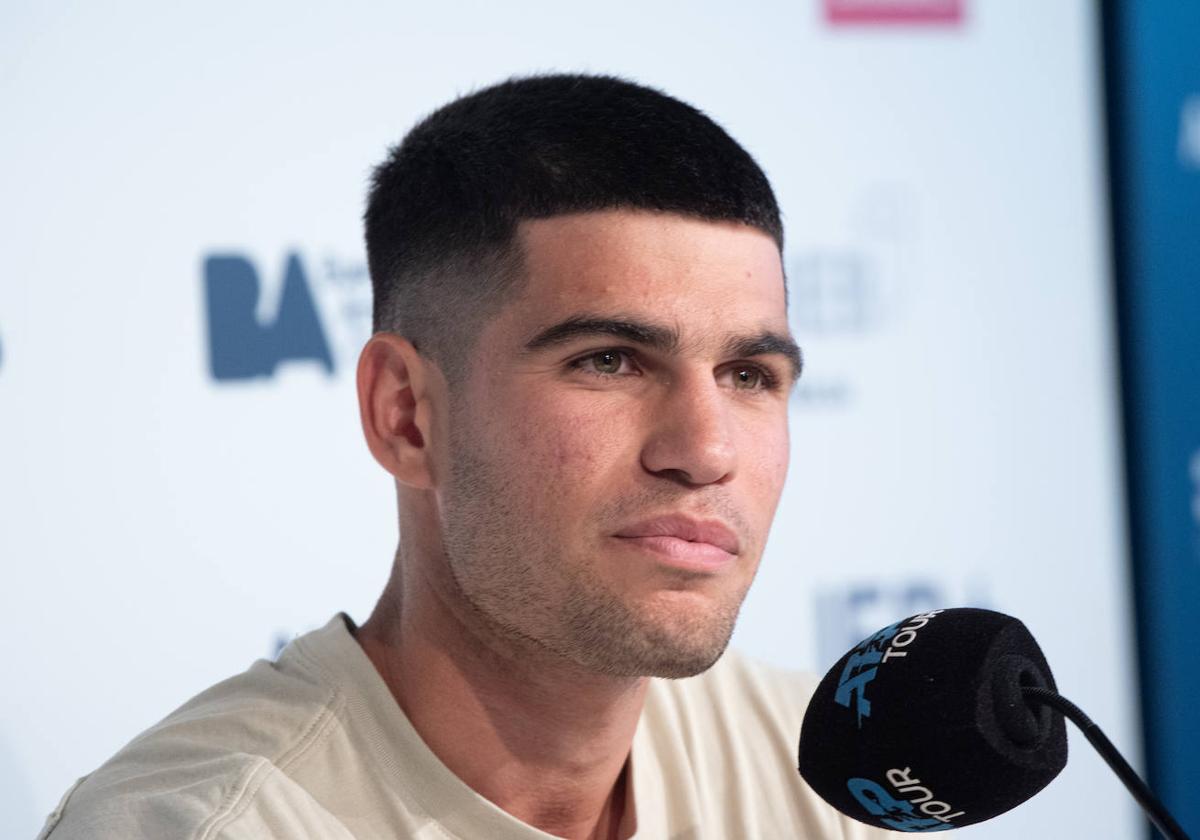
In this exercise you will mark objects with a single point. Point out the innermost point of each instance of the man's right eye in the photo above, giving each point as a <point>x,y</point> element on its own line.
<point>605,363</point>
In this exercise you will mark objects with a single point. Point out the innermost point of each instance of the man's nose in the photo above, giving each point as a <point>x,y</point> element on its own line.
<point>691,436</point>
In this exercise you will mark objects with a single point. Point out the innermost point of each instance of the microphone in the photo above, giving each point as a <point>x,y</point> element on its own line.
<point>943,720</point>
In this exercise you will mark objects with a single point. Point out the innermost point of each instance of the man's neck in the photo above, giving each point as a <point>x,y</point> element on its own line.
<point>539,737</point>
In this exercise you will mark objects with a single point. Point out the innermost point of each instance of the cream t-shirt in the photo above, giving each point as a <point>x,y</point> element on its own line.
<point>314,746</point>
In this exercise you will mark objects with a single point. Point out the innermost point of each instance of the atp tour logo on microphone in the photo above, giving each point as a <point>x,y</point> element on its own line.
<point>255,328</point>
<point>864,661</point>
<point>901,814</point>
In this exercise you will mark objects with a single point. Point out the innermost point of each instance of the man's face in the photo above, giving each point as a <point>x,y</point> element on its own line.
<point>619,442</point>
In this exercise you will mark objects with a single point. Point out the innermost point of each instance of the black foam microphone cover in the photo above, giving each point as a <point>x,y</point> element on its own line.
<point>922,726</point>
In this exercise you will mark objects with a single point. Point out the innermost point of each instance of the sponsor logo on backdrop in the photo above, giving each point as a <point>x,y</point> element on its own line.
<point>1189,132</point>
<point>849,613</point>
<point>859,287</point>
<point>836,291</point>
<point>852,290</point>
<point>319,318</point>
<point>908,12</point>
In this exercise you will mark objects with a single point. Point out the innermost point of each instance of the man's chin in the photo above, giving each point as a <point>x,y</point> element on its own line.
<point>649,650</point>
<point>682,667</point>
<point>670,633</point>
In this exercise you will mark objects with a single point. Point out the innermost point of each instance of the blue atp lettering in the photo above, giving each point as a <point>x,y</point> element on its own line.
<point>896,814</point>
<point>860,669</point>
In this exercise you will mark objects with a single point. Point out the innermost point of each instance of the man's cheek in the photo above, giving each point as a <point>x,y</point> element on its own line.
<point>580,449</point>
<point>765,451</point>
<point>561,445</point>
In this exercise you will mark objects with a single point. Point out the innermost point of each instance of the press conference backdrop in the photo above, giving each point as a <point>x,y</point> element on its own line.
<point>182,478</point>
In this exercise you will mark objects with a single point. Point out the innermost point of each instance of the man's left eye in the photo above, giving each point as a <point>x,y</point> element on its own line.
<point>747,378</point>
<point>751,378</point>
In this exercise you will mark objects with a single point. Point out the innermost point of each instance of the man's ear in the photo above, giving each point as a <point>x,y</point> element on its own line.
<point>395,402</point>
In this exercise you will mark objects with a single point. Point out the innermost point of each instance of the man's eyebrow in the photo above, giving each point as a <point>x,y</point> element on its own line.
<point>662,338</point>
<point>768,343</point>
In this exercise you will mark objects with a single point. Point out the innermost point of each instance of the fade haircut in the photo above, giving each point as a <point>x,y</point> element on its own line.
<point>443,210</point>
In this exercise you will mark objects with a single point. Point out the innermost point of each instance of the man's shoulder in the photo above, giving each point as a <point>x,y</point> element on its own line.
<point>196,772</point>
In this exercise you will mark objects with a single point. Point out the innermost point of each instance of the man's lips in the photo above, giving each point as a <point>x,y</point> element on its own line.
<point>707,541</point>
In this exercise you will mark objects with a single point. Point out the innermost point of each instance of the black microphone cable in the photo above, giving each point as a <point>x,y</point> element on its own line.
<point>1154,809</point>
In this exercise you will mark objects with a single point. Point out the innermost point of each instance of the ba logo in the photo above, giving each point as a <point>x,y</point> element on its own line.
<point>317,313</point>
<point>241,346</point>
<point>860,668</point>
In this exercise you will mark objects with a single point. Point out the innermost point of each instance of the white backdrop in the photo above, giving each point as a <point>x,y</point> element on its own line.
<point>954,440</point>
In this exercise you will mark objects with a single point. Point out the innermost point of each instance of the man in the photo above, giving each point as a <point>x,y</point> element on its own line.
<point>579,381</point>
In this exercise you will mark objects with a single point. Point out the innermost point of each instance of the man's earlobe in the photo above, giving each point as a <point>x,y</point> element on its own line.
<point>394,403</point>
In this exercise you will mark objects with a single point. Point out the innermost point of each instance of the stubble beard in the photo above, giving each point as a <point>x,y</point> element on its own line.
<point>525,588</point>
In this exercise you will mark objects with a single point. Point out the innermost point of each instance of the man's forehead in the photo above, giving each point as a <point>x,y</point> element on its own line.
<point>677,264</point>
<point>642,233</point>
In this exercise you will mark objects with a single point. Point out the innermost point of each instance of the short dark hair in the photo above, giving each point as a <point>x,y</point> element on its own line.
<point>443,208</point>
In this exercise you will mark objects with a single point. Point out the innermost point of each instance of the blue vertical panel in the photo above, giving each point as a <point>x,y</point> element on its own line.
<point>1154,87</point>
